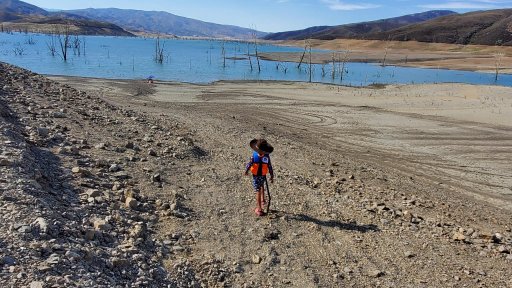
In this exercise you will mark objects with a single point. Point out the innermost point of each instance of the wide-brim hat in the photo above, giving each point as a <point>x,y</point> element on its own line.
<point>261,146</point>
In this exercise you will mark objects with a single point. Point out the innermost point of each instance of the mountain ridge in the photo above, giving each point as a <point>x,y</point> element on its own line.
<point>165,22</point>
<point>355,29</point>
<point>19,15</point>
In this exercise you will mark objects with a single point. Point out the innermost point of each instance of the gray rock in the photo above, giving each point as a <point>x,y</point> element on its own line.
<point>36,284</point>
<point>59,114</point>
<point>375,273</point>
<point>8,260</point>
<point>102,225</point>
<point>119,262</point>
<point>238,269</point>
<point>5,162</point>
<point>89,234</point>
<point>25,229</point>
<point>43,224</point>
<point>156,178</point>
<point>497,238</point>
<point>178,248</point>
<point>53,259</point>
<point>409,254</point>
<point>256,259</point>
<point>114,168</point>
<point>43,131</point>
<point>93,193</point>
<point>131,203</point>
<point>503,249</point>
<point>122,175</point>
<point>457,236</point>
<point>100,146</point>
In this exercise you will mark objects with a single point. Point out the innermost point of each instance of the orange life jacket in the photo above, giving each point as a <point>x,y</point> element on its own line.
<point>260,164</point>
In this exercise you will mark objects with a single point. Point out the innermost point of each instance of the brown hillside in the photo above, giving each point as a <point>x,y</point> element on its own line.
<point>483,27</point>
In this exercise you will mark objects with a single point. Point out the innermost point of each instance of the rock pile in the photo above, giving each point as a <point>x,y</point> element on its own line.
<point>73,207</point>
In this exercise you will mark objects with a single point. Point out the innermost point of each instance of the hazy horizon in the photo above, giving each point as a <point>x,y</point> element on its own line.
<point>282,15</point>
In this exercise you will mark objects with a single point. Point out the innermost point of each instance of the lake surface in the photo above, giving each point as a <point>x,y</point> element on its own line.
<point>202,61</point>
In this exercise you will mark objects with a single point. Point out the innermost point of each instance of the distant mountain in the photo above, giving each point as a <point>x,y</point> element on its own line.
<point>163,22</point>
<point>19,15</point>
<point>357,30</point>
<point>483,27</point>
<point>16,7</point>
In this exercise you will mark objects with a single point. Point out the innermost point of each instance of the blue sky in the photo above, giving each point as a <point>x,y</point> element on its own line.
<point>282,15</point>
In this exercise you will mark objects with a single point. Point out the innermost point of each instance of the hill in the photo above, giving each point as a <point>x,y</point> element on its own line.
<point>18,15</point>
<point>163,22</point>
<point>20,7</point>
<point>482,27</point>
<point>357,30</point>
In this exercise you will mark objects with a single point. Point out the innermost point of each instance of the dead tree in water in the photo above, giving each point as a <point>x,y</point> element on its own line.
<point>224,54</point>
<point>64,39</point>
<point>310,65</point>
<point>255,38</point>
<point>76,45</point>
<point>303,53</point>
<point>343,62</point>
<point>52,45</point>
<point>386,49</point>
<point>249,55</point>
<point>333,72</point>
<point>497,64</point>
<point>159,51</point>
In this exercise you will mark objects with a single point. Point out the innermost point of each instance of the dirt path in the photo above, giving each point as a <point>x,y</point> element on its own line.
<point>364,196</point>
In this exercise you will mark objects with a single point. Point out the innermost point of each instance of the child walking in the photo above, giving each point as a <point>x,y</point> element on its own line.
<point>260,165</point>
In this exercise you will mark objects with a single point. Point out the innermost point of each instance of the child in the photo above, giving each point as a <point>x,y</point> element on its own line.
<point>260,165</point>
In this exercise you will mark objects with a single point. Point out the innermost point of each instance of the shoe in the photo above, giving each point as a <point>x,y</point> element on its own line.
<point>259,212</point>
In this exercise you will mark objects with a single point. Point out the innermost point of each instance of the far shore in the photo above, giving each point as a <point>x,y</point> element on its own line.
<point>478,58</point>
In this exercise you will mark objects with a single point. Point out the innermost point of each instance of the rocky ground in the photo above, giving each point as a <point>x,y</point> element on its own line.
<point>74,175</point>
<point>101,188</point>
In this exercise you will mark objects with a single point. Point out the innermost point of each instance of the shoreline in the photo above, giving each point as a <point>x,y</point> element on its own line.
<point>474,58</point>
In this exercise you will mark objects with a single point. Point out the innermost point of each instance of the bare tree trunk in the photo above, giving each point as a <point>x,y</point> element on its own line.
<point>343,62</point>
<point>83,41</point>
<point>310,65</point>
<point>224,54</point>
<point>249,56</point>
<point>256,50</point>
<point>497,58</point>
<point>386,50</point>
<point>159,51</point>
<point>52,45</point>
<point>64,39</point>
<point>333,73</point>
<point>303,54</point>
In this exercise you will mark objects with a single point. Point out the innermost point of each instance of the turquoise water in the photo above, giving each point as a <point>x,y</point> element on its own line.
<point>202,61</point>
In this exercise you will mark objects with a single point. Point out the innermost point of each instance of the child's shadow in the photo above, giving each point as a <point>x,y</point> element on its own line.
<point>329,223</point>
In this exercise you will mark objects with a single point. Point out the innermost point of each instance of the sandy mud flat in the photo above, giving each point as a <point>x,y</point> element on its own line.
<point>440,153</point>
